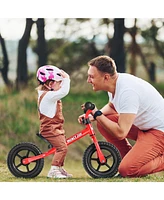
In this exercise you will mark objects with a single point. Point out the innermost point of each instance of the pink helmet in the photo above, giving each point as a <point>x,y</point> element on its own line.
<point>49,72</point>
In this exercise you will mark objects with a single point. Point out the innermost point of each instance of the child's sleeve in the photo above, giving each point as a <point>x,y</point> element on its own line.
<point>62,92</point>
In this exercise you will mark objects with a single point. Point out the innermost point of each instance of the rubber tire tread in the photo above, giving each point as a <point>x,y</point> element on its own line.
<point>15,150</point>
<point>87,157</point>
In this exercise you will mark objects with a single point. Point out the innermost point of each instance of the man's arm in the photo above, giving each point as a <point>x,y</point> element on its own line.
<point>108,109</point>
<point>120,129</point>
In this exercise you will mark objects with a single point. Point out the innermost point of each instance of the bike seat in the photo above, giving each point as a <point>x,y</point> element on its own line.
<point>44,139</point>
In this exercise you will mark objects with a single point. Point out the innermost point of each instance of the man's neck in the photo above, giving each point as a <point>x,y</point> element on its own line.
<point>112,84</point>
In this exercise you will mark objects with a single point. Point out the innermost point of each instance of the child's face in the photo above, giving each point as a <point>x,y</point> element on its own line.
<point>56,85</point>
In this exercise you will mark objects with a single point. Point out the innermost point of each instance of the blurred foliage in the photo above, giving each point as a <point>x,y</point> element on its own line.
<point>70,55</point>
<point>74,41</point>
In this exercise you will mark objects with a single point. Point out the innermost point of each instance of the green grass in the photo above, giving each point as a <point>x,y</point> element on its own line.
<point>79,175</point>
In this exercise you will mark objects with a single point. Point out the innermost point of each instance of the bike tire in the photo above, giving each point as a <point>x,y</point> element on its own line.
<point>17,154</point>
<point>92,164</point>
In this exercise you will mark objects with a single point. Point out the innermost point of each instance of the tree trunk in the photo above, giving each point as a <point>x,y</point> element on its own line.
<point>152,72</point>
<point>22,71</point>
<point>135,50</point>
<point>41,43</point>
<point>4,69</point>
<point>117,44</point>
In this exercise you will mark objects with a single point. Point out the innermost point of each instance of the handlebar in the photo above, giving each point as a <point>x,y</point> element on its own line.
<point>88,106</point>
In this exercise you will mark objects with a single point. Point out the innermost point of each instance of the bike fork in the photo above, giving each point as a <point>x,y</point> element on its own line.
<point>100,154</point>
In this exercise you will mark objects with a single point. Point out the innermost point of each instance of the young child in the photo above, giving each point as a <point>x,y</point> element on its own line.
<point>54,84</point>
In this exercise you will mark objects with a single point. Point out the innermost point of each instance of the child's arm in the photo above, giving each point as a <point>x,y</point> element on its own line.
<point>64,90</point>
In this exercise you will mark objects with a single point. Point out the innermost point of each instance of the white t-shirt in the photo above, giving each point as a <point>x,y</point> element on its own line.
<point>134,95</point>
<point>48,104</point>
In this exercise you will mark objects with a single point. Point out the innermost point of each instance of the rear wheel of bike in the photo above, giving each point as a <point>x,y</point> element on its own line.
<point>94,167</point>
<point>17,154</point>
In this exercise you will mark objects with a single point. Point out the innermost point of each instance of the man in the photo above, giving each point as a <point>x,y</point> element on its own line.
<point>135,111</point>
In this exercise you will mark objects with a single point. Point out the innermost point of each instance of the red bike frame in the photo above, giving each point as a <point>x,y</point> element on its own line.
<point>87,131</point>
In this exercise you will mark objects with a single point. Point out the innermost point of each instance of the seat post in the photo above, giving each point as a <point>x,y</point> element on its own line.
<point>45,140</point>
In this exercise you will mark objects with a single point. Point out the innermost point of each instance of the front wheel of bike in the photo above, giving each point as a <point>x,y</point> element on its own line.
<point>17,154</point>
<point>94,167</point>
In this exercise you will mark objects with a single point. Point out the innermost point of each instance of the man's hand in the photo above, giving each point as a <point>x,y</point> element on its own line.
<point>80,118</point>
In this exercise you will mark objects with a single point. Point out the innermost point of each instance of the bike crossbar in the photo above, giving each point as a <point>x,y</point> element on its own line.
<point>88,130</point>
<point>69,141</point>
<point>28,160</point>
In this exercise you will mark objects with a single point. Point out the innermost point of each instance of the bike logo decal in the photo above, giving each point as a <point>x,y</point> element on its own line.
<point>74,137</point>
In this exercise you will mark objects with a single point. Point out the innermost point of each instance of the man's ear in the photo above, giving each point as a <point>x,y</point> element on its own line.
<point>106,77</point>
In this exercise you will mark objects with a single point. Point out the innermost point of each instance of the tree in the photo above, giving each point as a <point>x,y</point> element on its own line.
<point>4,69</point>
<point>151,37</point>
<point>117,44</point>
<point>135,49</point>
<point>151,34</point>
<point>41,49</point>
<point>70,56</point>
<point>22,72</point>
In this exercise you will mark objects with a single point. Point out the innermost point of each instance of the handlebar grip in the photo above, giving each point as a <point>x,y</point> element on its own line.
<point>89,106</point>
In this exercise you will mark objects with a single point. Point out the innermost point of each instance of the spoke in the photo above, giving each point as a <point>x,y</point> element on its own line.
<point>96,159</point>
<point>109,156</point>
<point>28,152</point>
<point>107,165</point>
<point>27,168</point>
<point>98,167</point>
<point>17,166</point>
<point>19,156</point>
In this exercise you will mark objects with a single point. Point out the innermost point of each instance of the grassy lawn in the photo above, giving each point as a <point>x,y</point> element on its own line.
<point>79,175</point>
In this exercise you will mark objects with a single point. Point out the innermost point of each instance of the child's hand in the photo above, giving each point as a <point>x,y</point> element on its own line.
<point>64,74</point>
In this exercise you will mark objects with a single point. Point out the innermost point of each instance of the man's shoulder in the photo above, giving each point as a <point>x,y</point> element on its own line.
<point>126,75</point>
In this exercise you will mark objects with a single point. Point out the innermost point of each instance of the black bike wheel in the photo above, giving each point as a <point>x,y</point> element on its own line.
<point>92,164</point>
<point>17,154</point>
